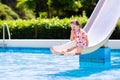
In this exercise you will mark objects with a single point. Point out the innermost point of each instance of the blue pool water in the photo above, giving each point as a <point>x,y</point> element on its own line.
<point>40,64</point>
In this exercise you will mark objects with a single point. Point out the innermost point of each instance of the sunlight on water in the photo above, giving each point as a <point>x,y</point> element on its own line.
<point>40,66</point>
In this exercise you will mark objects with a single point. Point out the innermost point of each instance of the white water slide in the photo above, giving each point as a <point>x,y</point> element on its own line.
<point>102,23</point>
<point>100,26</point>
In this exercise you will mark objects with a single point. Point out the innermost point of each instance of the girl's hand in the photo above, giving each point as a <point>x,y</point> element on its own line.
<point>72,35</point>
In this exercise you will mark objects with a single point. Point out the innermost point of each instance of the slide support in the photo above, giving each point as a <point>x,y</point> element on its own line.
<point>97,59</point>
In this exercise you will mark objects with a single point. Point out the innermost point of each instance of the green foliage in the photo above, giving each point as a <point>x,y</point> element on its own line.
<point>88,6</point>
<point>25,14</point>
<point>118,23</point>
<point>73,5</point>
<point>53,28</point>
<point>59,8</point>
<point>40,28</point>
<point>7,13</point>
<point>43,14</point>
<point>35,5</point>
<point>50,6</point>
<point>30,4</point>
<point>116,33</point>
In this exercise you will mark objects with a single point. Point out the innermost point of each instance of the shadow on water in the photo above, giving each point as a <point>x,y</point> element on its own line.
<point>79,72</point>
<point>84,72</point>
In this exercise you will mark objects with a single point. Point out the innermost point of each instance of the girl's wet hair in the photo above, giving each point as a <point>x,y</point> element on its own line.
<point>76,22</point>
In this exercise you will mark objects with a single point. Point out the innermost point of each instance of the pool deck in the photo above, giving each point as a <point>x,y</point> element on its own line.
<point>46,43</point>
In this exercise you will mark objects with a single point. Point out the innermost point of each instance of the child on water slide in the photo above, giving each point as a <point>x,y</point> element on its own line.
<point>78,40</point>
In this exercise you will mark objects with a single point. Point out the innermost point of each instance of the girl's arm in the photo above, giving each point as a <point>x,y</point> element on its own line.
<point>72,35</point>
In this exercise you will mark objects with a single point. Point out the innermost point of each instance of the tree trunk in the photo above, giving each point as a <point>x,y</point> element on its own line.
<point>49,12</point>
<point>37,9</point>
<point>36,29</point>
<point>57,12</point>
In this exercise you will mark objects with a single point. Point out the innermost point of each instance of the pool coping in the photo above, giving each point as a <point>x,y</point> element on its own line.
<point>46,43</point>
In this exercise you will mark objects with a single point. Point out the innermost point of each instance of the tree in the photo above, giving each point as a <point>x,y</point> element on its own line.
<point>71,5</point>
<point>7,13</point>
<point>21,12</point>
<point>88,6</point>
<point>35,5</point>
<point>46,5</point>
<point>49,8</point>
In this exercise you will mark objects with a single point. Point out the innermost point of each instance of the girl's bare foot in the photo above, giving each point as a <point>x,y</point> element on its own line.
<point>53,51</point>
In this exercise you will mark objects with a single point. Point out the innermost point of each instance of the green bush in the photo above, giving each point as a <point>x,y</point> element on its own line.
<point>54,28</point>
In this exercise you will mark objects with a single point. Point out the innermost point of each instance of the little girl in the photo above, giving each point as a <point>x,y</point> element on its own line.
<point>78,40</point>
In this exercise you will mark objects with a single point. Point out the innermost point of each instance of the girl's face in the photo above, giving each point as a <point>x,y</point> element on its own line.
<point>74,27</point>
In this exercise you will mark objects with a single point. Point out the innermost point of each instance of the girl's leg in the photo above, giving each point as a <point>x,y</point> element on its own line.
<point>78,51</point>
<point>55,52</point>
<point>73,52</point>
<point>60,49</point>
<point>70,49</point>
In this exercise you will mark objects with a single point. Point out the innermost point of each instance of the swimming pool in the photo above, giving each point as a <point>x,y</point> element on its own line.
<point>40,64</point>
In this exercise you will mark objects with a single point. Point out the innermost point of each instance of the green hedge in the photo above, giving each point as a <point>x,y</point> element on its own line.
<point>54,28</point>
<point>46,28</point>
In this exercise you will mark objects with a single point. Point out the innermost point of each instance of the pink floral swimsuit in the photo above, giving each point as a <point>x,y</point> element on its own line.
<point>80,38</point>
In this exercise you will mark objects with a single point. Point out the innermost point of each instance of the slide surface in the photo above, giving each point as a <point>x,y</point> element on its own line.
<point>101,24</point>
